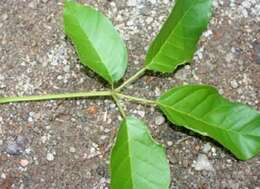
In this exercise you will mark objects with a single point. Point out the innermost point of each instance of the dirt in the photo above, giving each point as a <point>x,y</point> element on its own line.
<point>66,143</point>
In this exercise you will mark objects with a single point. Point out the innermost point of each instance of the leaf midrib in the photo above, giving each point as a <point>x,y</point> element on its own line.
<point>131,160</point>
<point>213,125</point>
<point>173,31</point>
<point>129,155</point>
<point>93,47</point>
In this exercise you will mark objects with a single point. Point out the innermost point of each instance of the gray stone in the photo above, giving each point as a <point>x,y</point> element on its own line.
<point>257,52</point>
<point>202,163</point>
<point>257,59</point>
<point>16,147</point>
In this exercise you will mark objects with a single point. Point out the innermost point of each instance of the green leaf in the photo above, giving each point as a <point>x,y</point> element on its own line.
<point>137,161</point>
<point>177,40</point>
<point>201,109</point>
<point>98,44</point>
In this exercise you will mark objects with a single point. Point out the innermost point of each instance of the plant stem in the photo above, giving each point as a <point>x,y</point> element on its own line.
<point>131,79</point>
<point>137,99</point>
<point>4,100</point>
<point>120,108</point>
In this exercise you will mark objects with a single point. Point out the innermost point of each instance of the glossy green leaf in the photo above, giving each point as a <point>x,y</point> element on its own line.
<point>177,40</point>
<point>137,161</point>
<point>201,109</point>
<point>98,44</point>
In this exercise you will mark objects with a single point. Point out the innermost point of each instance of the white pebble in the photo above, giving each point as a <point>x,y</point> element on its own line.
<point>169,143</point>
<point>131,3</point>
<point>72,149</point>
<point>50,157</point>
<point>149,20</point>
<point>3,176</point>
<point>234,84</point>
<point>159,120</point>
<point>202,163</point>
<point>206,148</point>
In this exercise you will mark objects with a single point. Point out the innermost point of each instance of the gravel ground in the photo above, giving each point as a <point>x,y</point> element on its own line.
<point>66,144</point>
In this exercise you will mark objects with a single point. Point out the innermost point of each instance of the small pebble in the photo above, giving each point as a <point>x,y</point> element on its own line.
<point>202,163</point>
<point>213,150</point>
<point>131,3</point>
<point>234,84</point>
<point>60,77</point>
<point>169,143</point>
<point>32,4</point>
<point>3,176</point>
<point>166,1</point>
<point>66,68</point>
<point>44,139</point>
<point>103,137</point>
<point>197,147</point>
<point>206,148</point>
<point>50,157</point>
<point>149,20</point>
<point>112,106</point>
<point>229,161</point>
<point>24,162</point>
<point>257,59</point>
<point>4,16</point>
<point>221,91</point>
<point>257,52</point>
<point>72,149</point>
<point>16,147</point>
<point>159,120</point>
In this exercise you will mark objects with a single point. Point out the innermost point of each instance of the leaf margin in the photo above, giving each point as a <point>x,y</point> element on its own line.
<point>148,64</point>
<point>155,142</point>
<point>162,106</point>
<point>106,75</point>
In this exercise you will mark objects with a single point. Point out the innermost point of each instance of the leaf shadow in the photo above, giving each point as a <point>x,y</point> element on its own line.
<point>165,75</point>
<point>92,75</point>
<point>87,71</point>
<point>197,136</point>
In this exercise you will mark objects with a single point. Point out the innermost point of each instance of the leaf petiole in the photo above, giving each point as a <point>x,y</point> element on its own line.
<point>4,100</point>
<point>132,79</point>
<point>120,108</point>
<point>137,99</point>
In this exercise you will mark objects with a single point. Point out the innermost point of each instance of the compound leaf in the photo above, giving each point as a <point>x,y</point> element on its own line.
<point>137,161</point>
<point>201,109</point>
<point>98,44</point>
<point>176,42</point>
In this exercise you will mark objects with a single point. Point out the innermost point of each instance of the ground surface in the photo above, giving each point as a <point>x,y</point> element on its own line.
<point>65,144</point>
